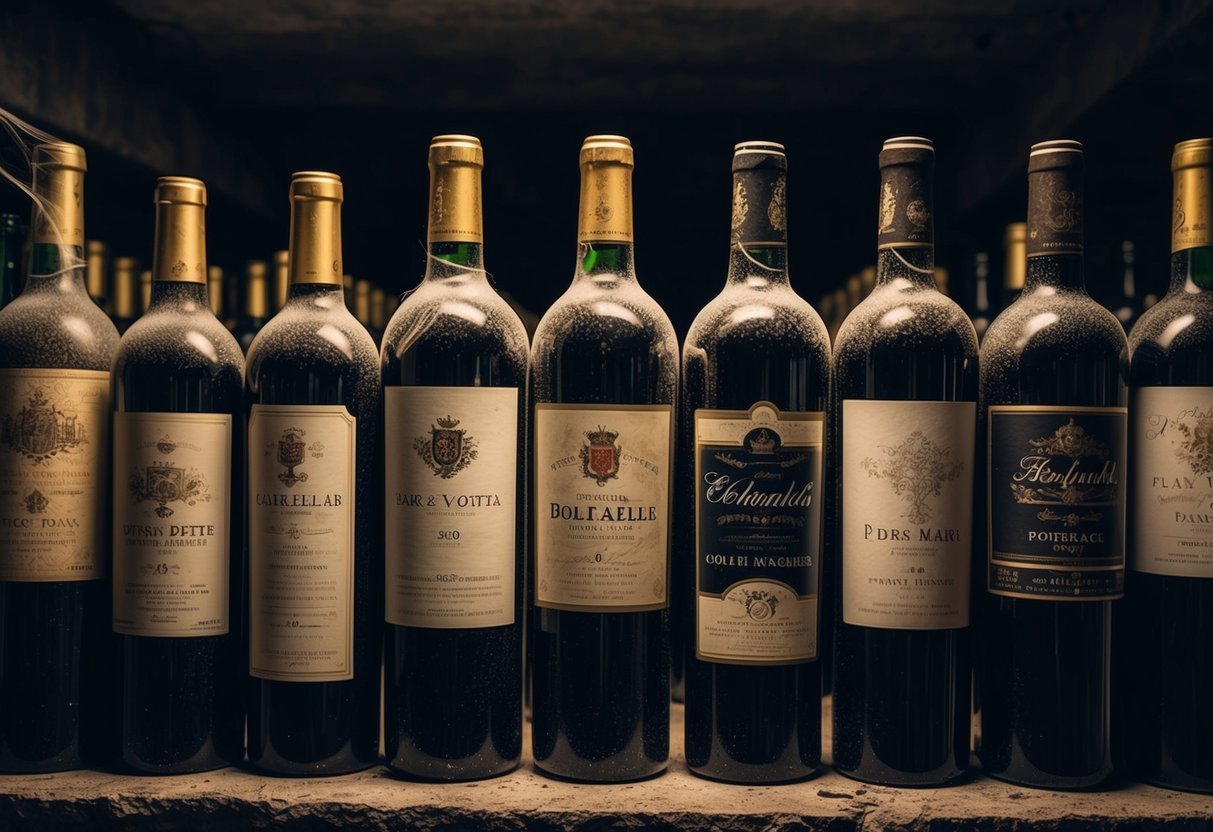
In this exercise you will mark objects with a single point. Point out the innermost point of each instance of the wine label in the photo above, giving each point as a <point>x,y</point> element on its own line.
<point>452,481</point>
<point>54,452</point>
<point>172,509</point>
<point>758,534</point>
<point>1173,481</point>
<point>602,506</point>
<point>907,513</point>
<point>301,542</point>
<point>1057,502</point>
<point>760,199</point>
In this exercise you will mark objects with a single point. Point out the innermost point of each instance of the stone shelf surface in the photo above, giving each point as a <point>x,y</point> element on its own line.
<point>235,799</point>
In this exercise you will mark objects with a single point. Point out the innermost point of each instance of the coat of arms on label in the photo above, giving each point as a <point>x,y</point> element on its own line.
<point>36,502</point>
<point>448,449</point>
<point>916,470</point>
<point>1196,447</point>
<point>290,450</point>
<point>600,456</point>
<point>41,430</point>
<point>164,483</point>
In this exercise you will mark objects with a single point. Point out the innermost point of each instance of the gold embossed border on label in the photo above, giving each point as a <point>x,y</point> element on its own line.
<point>597,408</point>
<point>781,417</point>
<point>990,559</point>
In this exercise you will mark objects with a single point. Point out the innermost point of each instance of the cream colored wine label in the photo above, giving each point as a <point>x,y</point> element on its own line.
<point>757,534</point>
<point>907,513</point>
<point>301,542</point>
<point>451,503</point>
<point>172,509</point>
<point>54,452</point>
<point>1173,478</point>
<point>602,506</point>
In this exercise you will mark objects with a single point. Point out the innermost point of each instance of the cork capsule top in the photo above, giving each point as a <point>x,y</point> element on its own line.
<point>316,184</point>
<point>456,148</point>
<point>60,155</point>
<point>282,257</point>
<point>1193,153</point>
<point>182,190</point>
<point>607,148</point>
<point>749,155</point>
<point>1016,232</point>
<point>1056,154</point>
<point>907,150</point>
<point>255,269</point>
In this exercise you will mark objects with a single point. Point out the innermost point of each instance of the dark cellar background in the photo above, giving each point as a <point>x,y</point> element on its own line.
<point>242,93</point>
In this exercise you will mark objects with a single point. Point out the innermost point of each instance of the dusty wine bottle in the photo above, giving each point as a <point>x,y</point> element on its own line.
<point>454,364</point>
<point>56,349</point>
<point>756,368</point>
<point>604,377</point>
<point>126,292</point>
<point>314,513</point>
<point>904,421</point>
<point>1164,637</point>
<point>178,393</point>
<point>1053,418</point>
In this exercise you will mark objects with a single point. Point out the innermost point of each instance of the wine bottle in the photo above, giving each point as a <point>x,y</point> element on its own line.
<point>362,303</point>
<point>904,417</point>
<point>982,316</point>
<point>214,290</point>
<point>10,257</point>
<point>282,280</point>
<point>126,292</point>
<point>95,255</point>
<point>1128,308</point>
<point>145,290</point>
<point>314,513</point>
<point>1053,395</point>
<point>756,368</point>
<point>379,313</point>
<point>1164,644</point>
<point>178,393</point>
<point>1014,269</point>
<point>256,303</point>
<point>56,348</point>
<point>454,364</point>
<point>604,377</point>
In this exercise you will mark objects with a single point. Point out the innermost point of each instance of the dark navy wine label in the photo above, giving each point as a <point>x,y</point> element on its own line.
<point>758,534</point>
<point>1056,479</point>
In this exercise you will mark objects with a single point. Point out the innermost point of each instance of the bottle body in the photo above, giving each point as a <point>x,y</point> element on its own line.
<point>755,381</point>
<point>902,409</point>
<point>56,348</point>
<point>1163,657</point>
<point>1053,398</point>
<point>314,401</point>
<point>603,383</point>
<point>454,363</point>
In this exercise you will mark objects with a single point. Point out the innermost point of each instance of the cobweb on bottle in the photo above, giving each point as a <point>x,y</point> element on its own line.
<point>16,166</point>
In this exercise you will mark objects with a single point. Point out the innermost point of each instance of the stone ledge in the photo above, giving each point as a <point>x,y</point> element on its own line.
<point>525,800</point>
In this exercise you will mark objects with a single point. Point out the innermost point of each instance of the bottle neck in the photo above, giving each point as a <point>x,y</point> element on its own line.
<point>460,261</point>
<point>758,266</point>
<point>256,298</point>
<point>54,265</point>
<point>315,248</point>
<point>915,265</point>
<point>1192,270</point>
<point>1055,272</point>
<point>180,296</point>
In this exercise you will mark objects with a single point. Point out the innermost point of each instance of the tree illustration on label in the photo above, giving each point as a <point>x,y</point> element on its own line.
<point>448,449</point>
<point>291,448</point>
<point>600,456</point>
<point>42,430</point>
<point>1196,447</point>
<point>915,470</point>
<point>164,483</point>
<point>1053,474</point>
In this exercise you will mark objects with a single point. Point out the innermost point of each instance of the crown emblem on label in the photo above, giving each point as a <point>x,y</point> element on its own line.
<point>166,446</point>
<point>447,422</point>
<point>762,443</point>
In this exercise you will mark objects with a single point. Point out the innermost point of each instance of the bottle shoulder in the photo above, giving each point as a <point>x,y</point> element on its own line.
<point>1180,321</point>
<point>604,311</point>
<point>746,316</point>
<point>176,338</point>
<point>901,312</point>
<point>304,334</point>
<point>55,328</point>
<point>455,318</point>
<point>1053,322</point>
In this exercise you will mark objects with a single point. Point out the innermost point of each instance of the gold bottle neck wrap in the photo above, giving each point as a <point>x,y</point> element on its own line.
<point>58,180</point>
<point>180,250</point>
<point>606,203</point>
<point>456,213</point>
<point>315,248</point>
<point>1192,210</point>
<point>256,295</point>
<point>1016,264</point>
<point>124,287</point>
<point>94,275</point>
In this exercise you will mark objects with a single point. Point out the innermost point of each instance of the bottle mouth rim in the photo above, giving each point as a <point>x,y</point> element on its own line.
<point>1056,146</point>
<point>60,155</point>
<point>759,146</point>
<point>908,143</point>
<point>455,140</point>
